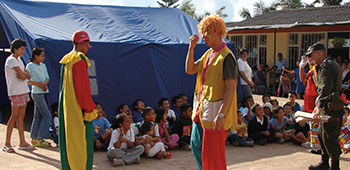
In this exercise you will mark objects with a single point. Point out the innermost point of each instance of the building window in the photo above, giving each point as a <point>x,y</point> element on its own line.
<point>262,49</point>
<point>309,39</point>
<point>293,50</point>
<point>251,44</point>
<point>237,40</point>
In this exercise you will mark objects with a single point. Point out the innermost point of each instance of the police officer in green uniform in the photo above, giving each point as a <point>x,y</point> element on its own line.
<point>328,102</point>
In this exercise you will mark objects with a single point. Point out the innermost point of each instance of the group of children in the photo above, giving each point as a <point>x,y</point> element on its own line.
<point>145,131</point>
<point>269,123</point>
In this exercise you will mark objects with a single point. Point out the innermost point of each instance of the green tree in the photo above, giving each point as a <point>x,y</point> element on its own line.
<point>187,7</point>
<point>168,3</point>
<point>245,14</point>
<point>221,13</point>
<point>260,8</point>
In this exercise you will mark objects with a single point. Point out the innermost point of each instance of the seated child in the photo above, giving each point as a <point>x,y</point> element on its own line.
<point>274,103</point>
<point>177,102</point>
<point>124,108</point>
<point>266,98</point>
<point>346,118</point>
<point>170,141</point>
<point>183,126</point>
<point>183,97</point>
<point>268,110</point>
<point>121,149</point>
<point>102,130</point>
<point>152,147</point>
<point>164,104</point>
<point>149,116</point>
<point>138,105</point>
<point>291,97</point>
<point>277,124</point>
<point>300,133</point>
<point>245,109</point>
<point>53,129</point>
<point>288,113</point>
<point>258,127</point>
<point>238,135</point>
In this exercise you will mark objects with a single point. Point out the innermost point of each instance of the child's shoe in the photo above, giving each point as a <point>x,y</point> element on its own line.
<point>34,142</point>
<point>42,143</point>
<point>118,162</point>
<point>167,155</point>
<point>249,143</point>
<point>306,144</point>
<point>235,143</point>
<point>280,141</point>
<point>186,147</point>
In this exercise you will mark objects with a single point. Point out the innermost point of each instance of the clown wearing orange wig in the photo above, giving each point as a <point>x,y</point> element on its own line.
<point>215,97</point>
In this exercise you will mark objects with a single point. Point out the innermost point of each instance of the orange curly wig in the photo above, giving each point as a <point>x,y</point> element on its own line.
<point>211,24</point>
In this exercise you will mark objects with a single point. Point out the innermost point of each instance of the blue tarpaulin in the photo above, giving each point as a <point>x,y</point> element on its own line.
<point>138,52</point>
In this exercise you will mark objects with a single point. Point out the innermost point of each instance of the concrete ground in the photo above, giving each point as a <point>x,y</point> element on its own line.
<point>269,157</point>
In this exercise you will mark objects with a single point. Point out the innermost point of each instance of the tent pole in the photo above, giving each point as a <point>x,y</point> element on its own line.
<point>274,61</point>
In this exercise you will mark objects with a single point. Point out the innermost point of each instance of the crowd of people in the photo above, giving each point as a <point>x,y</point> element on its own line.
<point>213,115</point>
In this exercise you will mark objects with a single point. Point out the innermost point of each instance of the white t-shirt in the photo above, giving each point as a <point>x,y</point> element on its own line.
<point>55,123</point>
<point>244,66</point>
<point>115,137</point>
<point>171,113</point>
<point>15,86</point>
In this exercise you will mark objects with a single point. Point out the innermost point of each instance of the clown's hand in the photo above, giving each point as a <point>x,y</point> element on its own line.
<point>303,62</point>
<point>90,116</point>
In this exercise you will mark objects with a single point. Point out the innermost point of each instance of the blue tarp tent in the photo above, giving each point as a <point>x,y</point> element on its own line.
<point>137,52</point>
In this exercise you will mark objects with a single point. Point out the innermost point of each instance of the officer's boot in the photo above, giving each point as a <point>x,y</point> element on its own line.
<point>335,165</point>
<point>323,165</point>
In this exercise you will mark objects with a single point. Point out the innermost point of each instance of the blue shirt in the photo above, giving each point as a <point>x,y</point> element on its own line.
<point>100,125</point>
<point>38,73</point>
<point>278,125</point>
<point>137,116</point>
<point>177,112</point>
<point>295,107</point>
<point>281,63</point>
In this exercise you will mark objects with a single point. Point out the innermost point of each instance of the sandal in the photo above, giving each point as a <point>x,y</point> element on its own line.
<point>168,155</point>
<point>8,149</point>
<point>29,147</point>
<point>43,143</point>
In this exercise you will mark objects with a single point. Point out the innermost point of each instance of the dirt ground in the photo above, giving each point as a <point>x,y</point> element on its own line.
<point>269,157</point>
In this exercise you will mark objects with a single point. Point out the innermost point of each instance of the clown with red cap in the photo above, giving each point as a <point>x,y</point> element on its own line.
<point>76,107</point>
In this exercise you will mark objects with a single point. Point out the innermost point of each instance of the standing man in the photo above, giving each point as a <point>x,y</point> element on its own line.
<point>328,102</point>
<point>281,62</point>
<point>215,97</point>
<point>76,107</point>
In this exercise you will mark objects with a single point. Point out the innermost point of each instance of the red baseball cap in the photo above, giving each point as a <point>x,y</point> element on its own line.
<point>80,36</point>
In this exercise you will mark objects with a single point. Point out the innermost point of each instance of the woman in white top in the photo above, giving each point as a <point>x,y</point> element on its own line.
<point>18,90</point>
<point>245,72</point>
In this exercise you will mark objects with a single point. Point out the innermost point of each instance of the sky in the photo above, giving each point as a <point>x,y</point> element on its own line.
<point>233,7</point>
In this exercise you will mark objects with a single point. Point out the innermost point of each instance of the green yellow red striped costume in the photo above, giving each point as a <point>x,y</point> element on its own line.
<point>76,111</point>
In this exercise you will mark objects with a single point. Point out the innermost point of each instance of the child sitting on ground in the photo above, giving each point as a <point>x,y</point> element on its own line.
<point>165,104</point>
<point>102,130</point>
<point>121,149</point>
<point>258,127</point>
<point>238,135</point>
<point>288,112</point>
<point>277,124</point>
<point>245,109</point>
<point>291,97</point>
<point>266,98</point>
<point>300,133</point>
<point>274,103</point>
<point>170,141</point>
<point>268,110</point>
<point>183,125</point>
<point>183,97</point>
<point>149,116</point>
<point>177,102</point>
<point>138,105</point>
<point>54,123</point>
<point>152,147</point>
